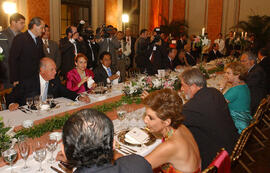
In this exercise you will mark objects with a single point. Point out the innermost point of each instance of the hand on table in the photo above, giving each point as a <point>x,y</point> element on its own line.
<point>13,106</point>
<point>84,98</point>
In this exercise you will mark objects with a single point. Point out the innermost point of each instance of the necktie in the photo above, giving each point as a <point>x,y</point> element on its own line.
<point>46,45</point>
<point>109,72</point>
<point>44,96</point>
<point>93,57</point>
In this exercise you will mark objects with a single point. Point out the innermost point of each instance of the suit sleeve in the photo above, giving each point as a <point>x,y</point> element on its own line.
<point>64,92</point>
<point>17,95</point>
<point>14,60</point>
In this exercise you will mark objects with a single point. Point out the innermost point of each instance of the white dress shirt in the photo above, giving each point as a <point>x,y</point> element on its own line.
<point>221,44</point>
<point>42,85</point>
<point>74,43</point>
<point>44,42</point>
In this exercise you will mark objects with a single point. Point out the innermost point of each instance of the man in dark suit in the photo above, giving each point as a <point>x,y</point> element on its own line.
<point>43,84</point>
<point>170,61</point>
<point>141,49</point>
<point>26,51</point>
<point>255,79</point>
<point>181,42</point>
<point>70,46</point>
<point>190,57</point>
<point>51,48</point>
<point>207,116</point>
<point>105,73</point>
<point>214,53</point>
<point>263,56</point>
<point>17,24</point>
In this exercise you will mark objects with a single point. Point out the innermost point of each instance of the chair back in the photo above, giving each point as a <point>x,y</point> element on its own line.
<point>220,164</point>
<point>210,169</point>
<point>262,108</point>
<point>241,142</point>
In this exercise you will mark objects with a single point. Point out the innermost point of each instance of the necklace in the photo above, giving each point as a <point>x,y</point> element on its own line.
<point>169,134</point>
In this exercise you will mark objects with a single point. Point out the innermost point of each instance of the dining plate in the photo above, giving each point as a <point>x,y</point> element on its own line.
<point>125,141</point>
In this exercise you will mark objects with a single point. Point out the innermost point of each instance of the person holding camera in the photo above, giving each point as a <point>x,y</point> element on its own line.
<point>70,46</point>
<point>107,42</point>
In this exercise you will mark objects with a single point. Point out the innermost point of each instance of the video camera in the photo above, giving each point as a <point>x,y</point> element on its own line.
<point>85,33</point>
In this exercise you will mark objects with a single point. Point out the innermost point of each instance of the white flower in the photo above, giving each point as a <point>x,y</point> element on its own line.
<point>157,83</point>
<point>1,50</point>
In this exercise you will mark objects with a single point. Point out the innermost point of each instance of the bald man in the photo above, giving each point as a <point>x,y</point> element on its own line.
<point>42,85</point>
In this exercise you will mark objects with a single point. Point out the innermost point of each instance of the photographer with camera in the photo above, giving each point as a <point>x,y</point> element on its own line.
<point>107,42</point>
<point>90,45</point>
<point>70,46</point>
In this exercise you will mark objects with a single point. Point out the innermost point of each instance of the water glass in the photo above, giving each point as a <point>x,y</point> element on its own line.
<point>24,148</point>
<point>29,102</point>
<point>10,155</point>
<point>51,147</point>
<point>39,154</point>
<point>121,113</point>
<point>50,99</point>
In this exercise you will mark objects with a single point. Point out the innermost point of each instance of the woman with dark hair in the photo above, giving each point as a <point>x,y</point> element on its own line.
<point>77,78</point>
<point>179,151</point>
<point>88,146</point>
<point>238,96</point>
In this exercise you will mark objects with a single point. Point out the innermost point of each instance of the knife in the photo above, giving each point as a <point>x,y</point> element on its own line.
<point>56,170</point>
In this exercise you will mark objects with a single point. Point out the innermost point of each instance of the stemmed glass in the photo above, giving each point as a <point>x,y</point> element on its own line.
<point>50,99</point>
<point>37,102</point>
<point>29,102</point>
<point>51,147</point>
<point>24,148</point>
<point>9,155</point>
<point>39,154</point>
<point>121,114</point>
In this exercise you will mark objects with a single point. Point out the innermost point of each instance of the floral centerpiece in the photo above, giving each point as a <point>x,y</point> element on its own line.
<point>151,83</point>
<point>6,135</point>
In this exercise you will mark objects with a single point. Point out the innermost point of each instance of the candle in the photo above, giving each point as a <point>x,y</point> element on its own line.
<point>246,34</point>
<point>1,28</point>
<point>242,35</point>
<point>233,34</point>
<point>203,30</point>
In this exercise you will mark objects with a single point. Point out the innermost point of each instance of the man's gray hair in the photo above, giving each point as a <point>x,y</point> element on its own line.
<point>251,56</point>
<point>36,21</point>
<point>193,76</point>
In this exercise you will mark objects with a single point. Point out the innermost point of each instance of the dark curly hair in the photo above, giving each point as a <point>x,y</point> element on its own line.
<point>167,104</point>
<point>88,139</point>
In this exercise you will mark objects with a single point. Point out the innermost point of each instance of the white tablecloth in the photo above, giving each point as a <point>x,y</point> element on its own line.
<point>118,126</point>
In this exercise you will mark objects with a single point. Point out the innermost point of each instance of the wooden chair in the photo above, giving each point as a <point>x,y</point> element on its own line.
<point>240,146</point>
<point>266,117</point>
<point>258,118</point>
<point>211,169</point>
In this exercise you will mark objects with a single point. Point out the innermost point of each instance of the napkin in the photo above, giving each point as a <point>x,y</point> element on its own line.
<point>137,135</point>
<point>115,81</point>
<point>90,82</point>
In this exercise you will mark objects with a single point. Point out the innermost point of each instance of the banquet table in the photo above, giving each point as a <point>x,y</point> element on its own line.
<point>16,118</point>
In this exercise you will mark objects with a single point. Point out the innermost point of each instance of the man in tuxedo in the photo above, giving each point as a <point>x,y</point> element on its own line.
<point>170,61</point>
<point>129,42</point>
<point>255,79</point>
<point>181,42</point>
<point>26,51</point>
<point>50,47</point>
<point>105,73</point>
<point>70,46</point>
<point>17,24</point>
<point>264,58</point>
<point>207,116</point>
<point>214,53</point>
<point>41,84</point>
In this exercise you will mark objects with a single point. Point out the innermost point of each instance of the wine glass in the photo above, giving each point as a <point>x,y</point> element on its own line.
<point>51,147</point>
<point>29,102</point>
<point>39,154</point>
<point>24,148</point>
<point>50,99</point>
<point>9,155</point>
